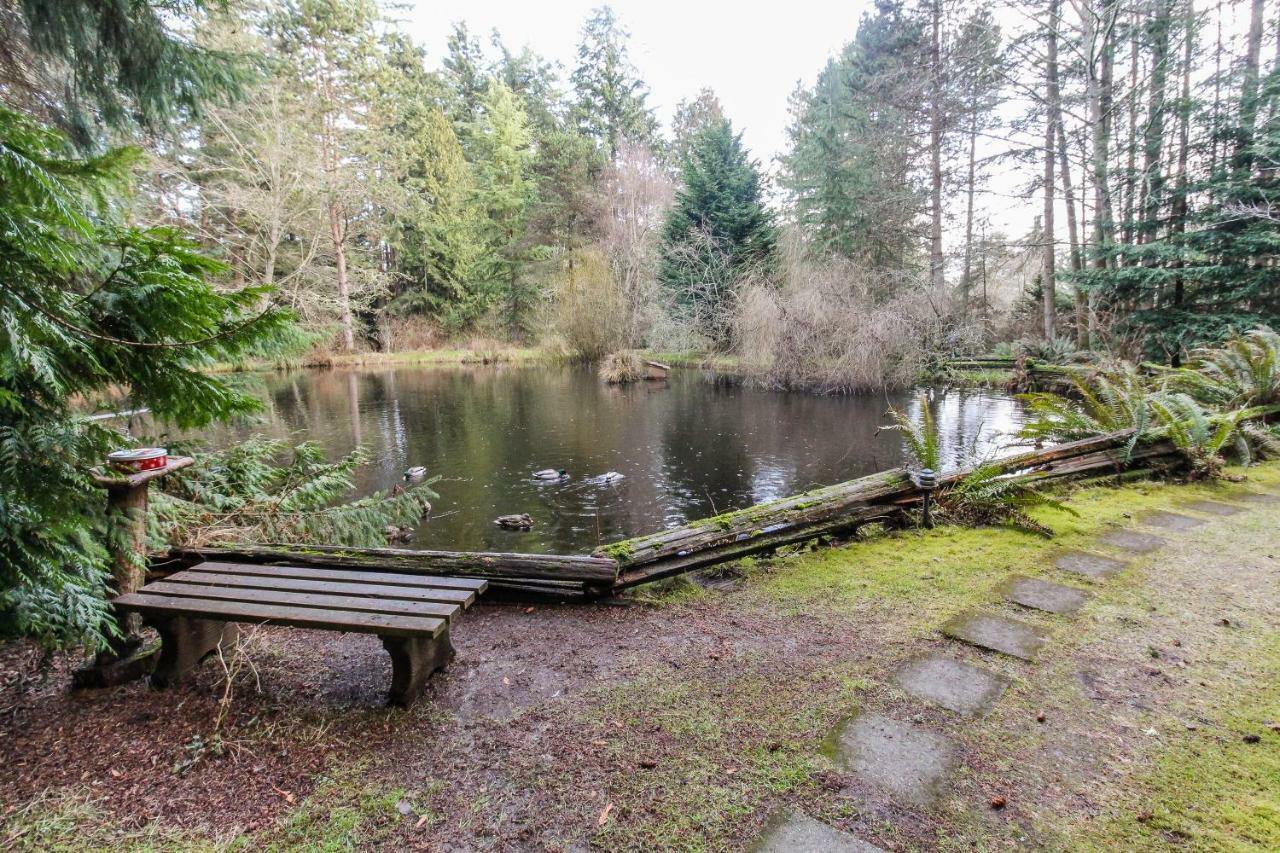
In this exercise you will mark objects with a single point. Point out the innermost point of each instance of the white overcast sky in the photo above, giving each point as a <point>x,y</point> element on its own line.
<point>750,54</point>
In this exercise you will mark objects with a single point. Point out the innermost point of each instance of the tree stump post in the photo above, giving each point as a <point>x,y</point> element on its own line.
<point>127,659</point>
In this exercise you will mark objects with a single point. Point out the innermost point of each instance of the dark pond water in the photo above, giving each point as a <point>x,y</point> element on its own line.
<point>687,448</point>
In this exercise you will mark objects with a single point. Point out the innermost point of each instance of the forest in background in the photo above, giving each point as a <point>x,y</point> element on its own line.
<point>507,198</point>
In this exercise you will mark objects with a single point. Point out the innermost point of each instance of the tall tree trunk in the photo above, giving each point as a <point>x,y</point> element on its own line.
<point>1249,88</point>
<point>966,282</point>
<point>1100,41</point>
<point>936,262</point>
<point>1048,275</point>
<point>1153,177</point>
<point>1129,184</point>
<point>337,232</point>
<point>1178,216</point>
<point>1073,236</point>
<point>337,221</point>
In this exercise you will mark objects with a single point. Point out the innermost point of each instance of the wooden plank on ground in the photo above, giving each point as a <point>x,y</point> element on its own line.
<point>297,617</point>
<point>409,593</point>
<point>388,578</point>
<point>305,599</point>
<point>474,564</point>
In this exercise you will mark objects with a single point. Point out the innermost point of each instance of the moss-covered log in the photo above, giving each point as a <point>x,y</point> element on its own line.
<point>478,564</point>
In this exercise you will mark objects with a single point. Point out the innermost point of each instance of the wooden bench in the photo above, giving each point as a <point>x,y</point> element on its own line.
<point>196,611</point>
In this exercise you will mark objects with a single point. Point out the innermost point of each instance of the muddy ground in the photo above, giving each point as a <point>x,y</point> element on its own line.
<point>681,724</point>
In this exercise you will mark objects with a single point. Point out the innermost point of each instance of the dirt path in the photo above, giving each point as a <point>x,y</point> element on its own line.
<point>685,725</point>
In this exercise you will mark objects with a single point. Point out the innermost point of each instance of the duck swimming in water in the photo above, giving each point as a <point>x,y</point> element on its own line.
<point>610,477</point>
<point>415,473</point>
<point>514,522</point>
<point>551,474</point>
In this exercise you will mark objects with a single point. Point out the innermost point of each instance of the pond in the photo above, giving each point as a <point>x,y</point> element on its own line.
<point>686,447</point>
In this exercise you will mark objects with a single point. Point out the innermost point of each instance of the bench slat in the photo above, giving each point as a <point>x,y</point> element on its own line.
<point>304,599</point>
<point>393,578</point>
<point>447,596</point>
<point>277,614</point>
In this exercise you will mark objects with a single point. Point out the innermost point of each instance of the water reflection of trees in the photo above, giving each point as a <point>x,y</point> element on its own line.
<point>687,448</point>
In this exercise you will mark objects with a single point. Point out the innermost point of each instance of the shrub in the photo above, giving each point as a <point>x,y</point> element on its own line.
<point>834,327</point>
<point>620,368</point>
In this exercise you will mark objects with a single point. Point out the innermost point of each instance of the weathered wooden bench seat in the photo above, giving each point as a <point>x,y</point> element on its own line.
<point>196,611</point>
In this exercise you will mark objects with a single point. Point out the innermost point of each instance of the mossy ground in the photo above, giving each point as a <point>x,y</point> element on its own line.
<point>683,724</point>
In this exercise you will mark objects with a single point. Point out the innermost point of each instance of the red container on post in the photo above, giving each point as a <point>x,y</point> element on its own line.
<point>139,459</point>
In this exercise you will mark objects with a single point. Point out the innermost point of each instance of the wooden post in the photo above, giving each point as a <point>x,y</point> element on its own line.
<point>127,502</point>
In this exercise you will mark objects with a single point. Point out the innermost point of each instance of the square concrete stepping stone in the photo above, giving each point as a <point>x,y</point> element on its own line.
<point>1132,540</point>
<point>1044,595</point>
<point>1213,508</point>
<point>956,686</point>
<point>1171,521</point>
<point>793,831</point>
<point>1258,498</point>
<point>995,633</point>
<point>906,760</point>
<point>1093,566</point>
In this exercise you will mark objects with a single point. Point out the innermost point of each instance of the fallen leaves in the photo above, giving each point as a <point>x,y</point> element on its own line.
<point>604,815</point>
<point>999,801</point>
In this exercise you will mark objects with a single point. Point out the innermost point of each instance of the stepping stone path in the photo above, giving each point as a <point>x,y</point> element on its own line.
<point>1043,595</point>
<point>956,686</point>
<point>1171,521</point>
<point>1213,508</point>
<point>1132,540</point>
<point>907,760</point>
<point>996,633</point>
<point>1093,566</point>
<point>793,831</point>
<point>1259,498</point>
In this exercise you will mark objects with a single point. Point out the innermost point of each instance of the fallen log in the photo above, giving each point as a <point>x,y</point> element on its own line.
<point>478,564</point>
<point>761,526</point>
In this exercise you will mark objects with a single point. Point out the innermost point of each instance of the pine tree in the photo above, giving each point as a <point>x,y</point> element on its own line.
<point>98,65</point>
<point>505,193</point>
<point>433,220</point>
<point>853,171</point>
<point>717,232</point>
<point>690,119</point>
<point>610,105</point>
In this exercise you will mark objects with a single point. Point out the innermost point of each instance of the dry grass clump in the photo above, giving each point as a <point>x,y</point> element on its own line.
<point>590,309</point>
<point>834,327</point>
<point>619,368</point>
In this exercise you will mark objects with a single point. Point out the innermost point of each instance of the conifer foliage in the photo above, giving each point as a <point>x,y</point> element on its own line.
<point>719,230</point>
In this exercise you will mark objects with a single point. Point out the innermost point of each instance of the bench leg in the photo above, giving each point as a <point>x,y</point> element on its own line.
<point>413,659</point>
<point>184,642</point>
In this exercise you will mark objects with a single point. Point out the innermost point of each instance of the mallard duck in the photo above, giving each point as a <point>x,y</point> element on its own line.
<point>551,474</point>
<point>396,533</point>
<point>514,522</point>
<point>610,477</point>
<point>417,472</point>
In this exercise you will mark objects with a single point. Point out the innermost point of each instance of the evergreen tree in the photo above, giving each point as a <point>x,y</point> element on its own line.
<point>505,193</point>
<point>610,105</point>
<point>433,221</point>
<point>690,119</point>
<point>853,172</point>
<point>718,230</point>
<point>93,65</point>
<point>91,306</point>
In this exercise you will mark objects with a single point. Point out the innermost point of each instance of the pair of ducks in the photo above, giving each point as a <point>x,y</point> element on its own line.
<point>554,475</point>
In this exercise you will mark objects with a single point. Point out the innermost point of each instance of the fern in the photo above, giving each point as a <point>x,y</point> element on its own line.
<point>920,436</point>
<point>988,496</point>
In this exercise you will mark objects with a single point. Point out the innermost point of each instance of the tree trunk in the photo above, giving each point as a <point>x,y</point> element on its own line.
<point>1099,84</point>
<point>966,282</point>
<point>1073,236</point>
<point>1178,224</point>
<point>1243,159</point>
<point>936,262</point>
<point>1048,275</point>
